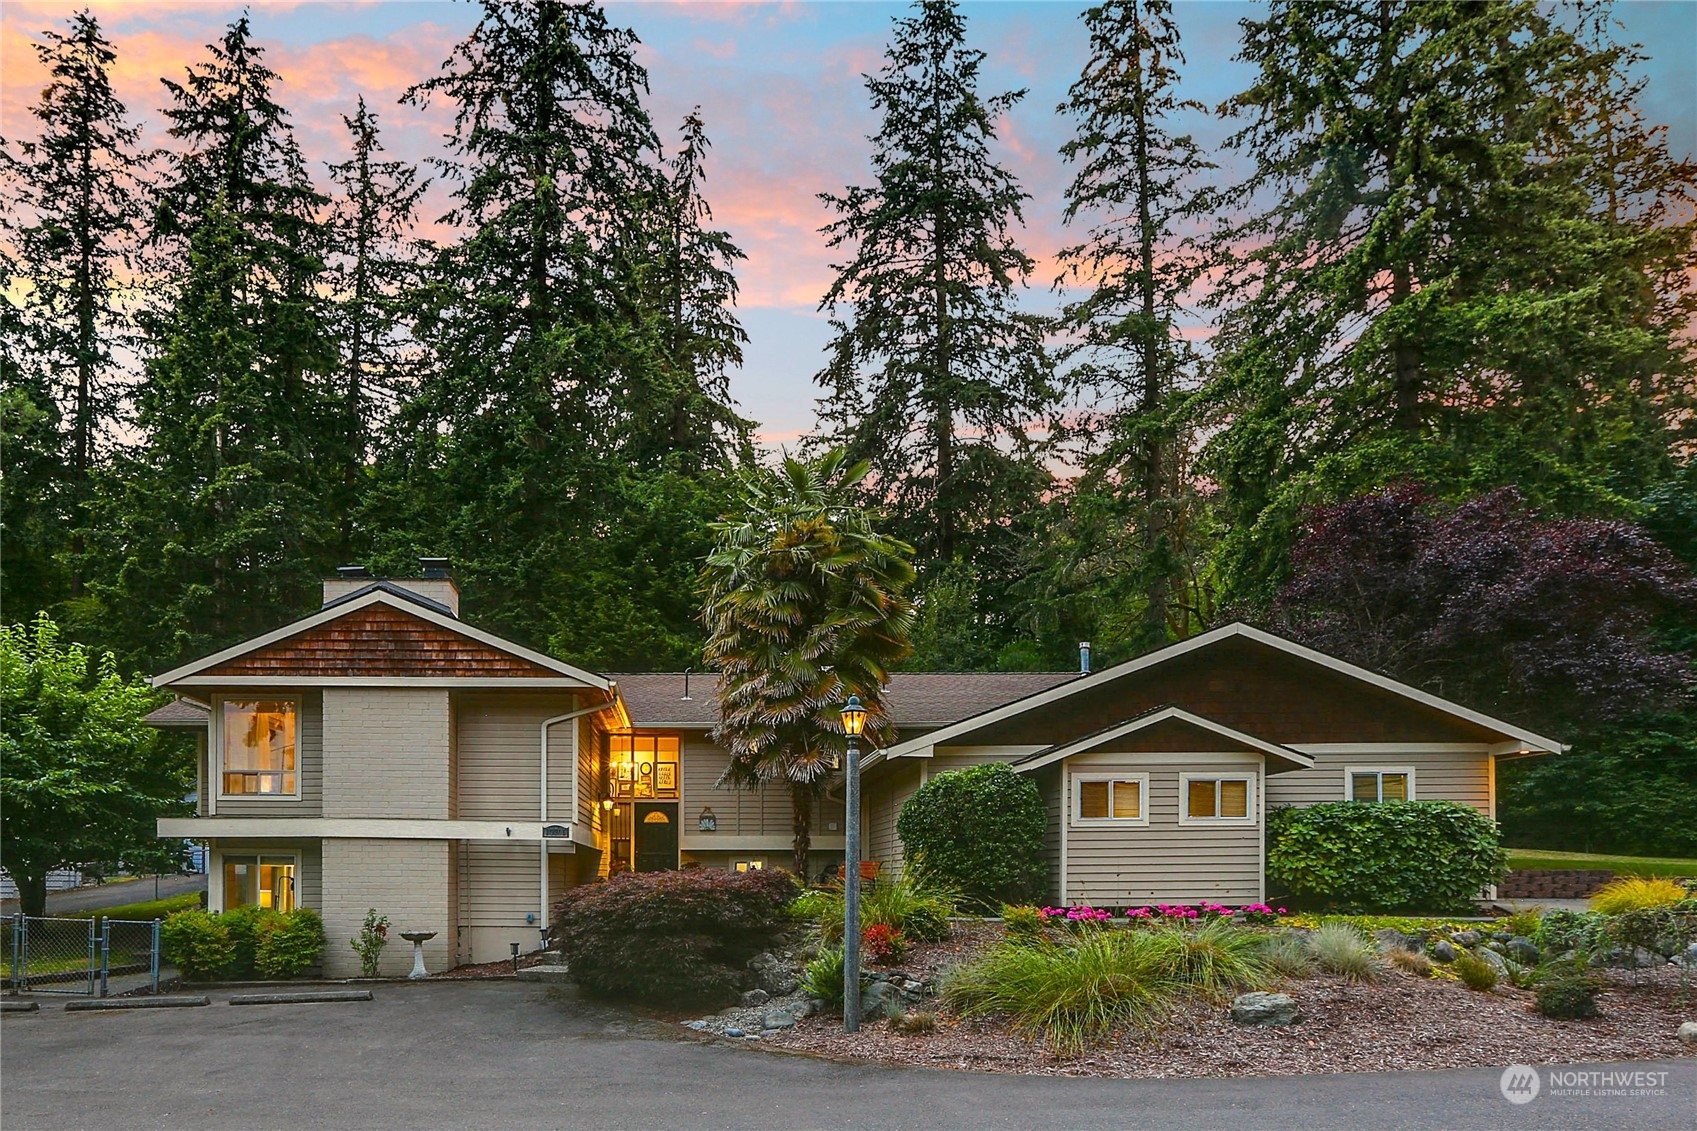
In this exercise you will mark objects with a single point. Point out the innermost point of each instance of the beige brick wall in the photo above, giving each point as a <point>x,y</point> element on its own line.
<point>386,752</point>
<point>407,880</point>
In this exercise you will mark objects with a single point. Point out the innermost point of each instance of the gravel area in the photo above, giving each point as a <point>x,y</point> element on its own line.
<point>1400,1022</point>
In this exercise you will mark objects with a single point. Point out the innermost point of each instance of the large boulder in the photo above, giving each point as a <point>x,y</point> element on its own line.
<point>1265,1009</point>
<point>1492,957</point>
<point>1467,938</point>
<point>1442,951</point>
<point>754,998</point>
<point>876,998</point>
<point>1688,1032</point>
<point>1523,950</point>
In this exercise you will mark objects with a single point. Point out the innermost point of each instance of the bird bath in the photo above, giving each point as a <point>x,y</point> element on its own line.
<point>418,939</point>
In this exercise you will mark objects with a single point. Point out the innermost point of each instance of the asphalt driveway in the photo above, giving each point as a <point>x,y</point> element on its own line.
<point>510,1054</point>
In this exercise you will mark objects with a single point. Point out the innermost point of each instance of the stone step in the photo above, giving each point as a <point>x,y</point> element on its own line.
<point>552,974</point>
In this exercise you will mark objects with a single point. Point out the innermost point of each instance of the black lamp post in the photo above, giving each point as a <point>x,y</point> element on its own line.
<point>854,721</point>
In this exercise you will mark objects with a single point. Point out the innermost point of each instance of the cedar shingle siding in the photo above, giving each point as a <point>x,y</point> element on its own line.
<point>379,640</point>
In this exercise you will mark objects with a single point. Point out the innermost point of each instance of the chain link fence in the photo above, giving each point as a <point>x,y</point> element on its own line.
<point>89,957</point>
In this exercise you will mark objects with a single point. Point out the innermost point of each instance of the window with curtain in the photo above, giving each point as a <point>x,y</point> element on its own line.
<point>1107,797</point>
<point>1381,785</point>
<point>259,748</point>
<point>1217,799</point>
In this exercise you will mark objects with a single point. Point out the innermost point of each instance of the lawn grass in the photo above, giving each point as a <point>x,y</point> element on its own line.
<point>1531,859</point>
<point>148,909</point>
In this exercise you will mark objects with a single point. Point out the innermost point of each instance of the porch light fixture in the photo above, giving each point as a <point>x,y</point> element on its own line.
<point>708,822</point>
<point>607,804</point>
<point>854,722</point>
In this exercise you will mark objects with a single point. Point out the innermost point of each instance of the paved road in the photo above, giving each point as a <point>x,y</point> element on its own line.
<point>510,1054</point>
<point>113,894</point>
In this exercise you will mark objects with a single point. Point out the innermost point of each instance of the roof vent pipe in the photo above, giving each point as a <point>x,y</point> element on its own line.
<point>686,684</point>
<point>1084,657</point>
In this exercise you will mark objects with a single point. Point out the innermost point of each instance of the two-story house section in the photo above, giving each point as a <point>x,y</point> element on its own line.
<point>382,753</point>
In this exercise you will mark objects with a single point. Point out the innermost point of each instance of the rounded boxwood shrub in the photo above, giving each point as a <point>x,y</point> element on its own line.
<point>1384,856</point>
<point>671,936</point>
<point>1567,999</point>
<point>246,925</point>
<point>290,944</point>
<point>981,831</point>
<point>196,943</point>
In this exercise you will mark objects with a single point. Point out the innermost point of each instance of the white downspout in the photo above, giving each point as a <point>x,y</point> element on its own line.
<point>542,791</point>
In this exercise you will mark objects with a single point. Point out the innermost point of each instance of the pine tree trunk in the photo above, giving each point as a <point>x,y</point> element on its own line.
<point>801,823</point>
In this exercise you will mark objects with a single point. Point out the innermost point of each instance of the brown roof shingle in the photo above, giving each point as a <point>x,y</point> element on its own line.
<point>178,713</point>
<point>917,700</point>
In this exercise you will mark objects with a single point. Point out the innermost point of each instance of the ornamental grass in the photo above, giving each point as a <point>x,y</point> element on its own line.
<point>1340,949</point>
<point>1636,893</point>
<point>1082,989</point>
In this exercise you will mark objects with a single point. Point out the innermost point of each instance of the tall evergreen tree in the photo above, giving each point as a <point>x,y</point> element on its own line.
<point>1431,291</point>
<point>934,374</point>
<point>33,514</point>
<point>75,206</point>
<point>217,526</point>
<point>374,266</point>
<point>1137,185</point>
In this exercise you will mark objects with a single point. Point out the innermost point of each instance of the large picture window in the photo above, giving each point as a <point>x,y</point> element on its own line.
<point>1109,799</point>
<point>643,765</point>
<point>260,881</point>
<point>259,757</point>
<point>1217,799</point>
<point>1379,785</point>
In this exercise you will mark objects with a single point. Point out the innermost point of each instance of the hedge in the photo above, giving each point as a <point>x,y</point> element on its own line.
<point>1384,856</point>
<point>671,936</point>
<point>242,944</point>
<point>980,830</point>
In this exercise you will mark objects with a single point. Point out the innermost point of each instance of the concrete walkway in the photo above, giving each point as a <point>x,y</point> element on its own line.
<point>518,1055</point>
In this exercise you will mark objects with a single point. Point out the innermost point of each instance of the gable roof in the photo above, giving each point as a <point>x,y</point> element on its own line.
<point>417,633</point>
<point>179,714</point>
<point>1160,717</point>
<point>1236,631</point>
<point>915,700</point>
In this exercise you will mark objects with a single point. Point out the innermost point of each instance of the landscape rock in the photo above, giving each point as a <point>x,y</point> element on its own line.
<point>777,1019</point>
<point>1442,951</point>
<point>1492,957</point>
<point>1265,1009</point>
<point>755,997</point>
<point>1628,959</point>
<point>1688,1033</point>
<point>1524,951</point>
<point>876,997</point>
<point>1688,957</point>
<point>735,1033</point>
<point>1467,938</point>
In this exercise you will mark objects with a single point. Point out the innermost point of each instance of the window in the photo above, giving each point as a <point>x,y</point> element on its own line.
<point>259,748</point>
<point>1108,799</point>
<point>1217,799</point>
<point>1379,785</point>
<point>260,881</point>
<point>643,765</point>
<point>748,865</point>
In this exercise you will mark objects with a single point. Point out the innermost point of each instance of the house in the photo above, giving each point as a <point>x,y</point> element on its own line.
<point>385,753</point>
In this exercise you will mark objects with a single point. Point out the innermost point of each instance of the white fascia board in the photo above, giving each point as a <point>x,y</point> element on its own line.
<point>1527,738</point>
<point>284,828</point>
<point>566,683</point>
<point>712,842</point>
<point>325,616</point>
<point>1090,742</point>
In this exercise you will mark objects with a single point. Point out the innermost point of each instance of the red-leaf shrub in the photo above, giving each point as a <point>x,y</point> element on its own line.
<point>884,944</point>
<point>671,936</point>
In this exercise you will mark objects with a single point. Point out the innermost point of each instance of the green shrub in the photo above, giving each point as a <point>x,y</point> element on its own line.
<point>671,936</point>
<point>1475,973</point>
<point>1340,949</point>
<point>373,937</point>
<point>1567,999</point>
<point>1386,856</point>
<point>910,901</point>
<point>1563,930</point>
<point>1286,956</point>
<point>1214,960</point>
<point>1636,893</point>
<point>1023,924</point>
<point>979,830</point>
<point>197,944</point>
<point>1524,921</point>
<point>291,944</point>
<point>823,977</point>
<point>246,925</point>
<point>1665,930</point>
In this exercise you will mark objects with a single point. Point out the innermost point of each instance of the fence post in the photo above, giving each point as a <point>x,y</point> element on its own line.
<point>18,953</point>
<point>105,953</point>
<point>93,955</point>
<point>156,956</point>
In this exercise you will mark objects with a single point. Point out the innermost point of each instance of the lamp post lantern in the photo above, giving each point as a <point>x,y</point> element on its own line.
<point>854,721</point>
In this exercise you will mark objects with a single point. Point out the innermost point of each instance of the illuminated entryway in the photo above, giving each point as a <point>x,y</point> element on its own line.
<point>643,779</point>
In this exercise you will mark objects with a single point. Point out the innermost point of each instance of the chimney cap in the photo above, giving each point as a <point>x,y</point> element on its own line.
<point>433,567</point>
<point>352,571</point>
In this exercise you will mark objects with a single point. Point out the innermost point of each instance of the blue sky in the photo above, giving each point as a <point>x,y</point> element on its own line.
<point>779,87</point>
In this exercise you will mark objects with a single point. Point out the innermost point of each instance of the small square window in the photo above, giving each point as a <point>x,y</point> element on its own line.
<point>1106,798</point>
<point>1381,785</point>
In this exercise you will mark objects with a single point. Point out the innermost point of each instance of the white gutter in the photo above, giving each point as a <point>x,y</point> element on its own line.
<point>542,792</point>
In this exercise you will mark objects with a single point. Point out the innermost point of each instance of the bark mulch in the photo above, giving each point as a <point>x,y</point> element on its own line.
<point>504,967</point>
<point>1402,1021</point>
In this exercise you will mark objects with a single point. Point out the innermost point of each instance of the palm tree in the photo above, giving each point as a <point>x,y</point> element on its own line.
<point>806,605</point>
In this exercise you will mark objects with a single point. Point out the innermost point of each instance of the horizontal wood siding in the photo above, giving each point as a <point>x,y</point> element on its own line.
<point>498,884</point>
<point>740,812</point>
<point>1449,776</point>
<point>500,750</point>
<point>378,640</point>
<point>1165,861</point>
<point>309,760</point>
<point>885,791</point>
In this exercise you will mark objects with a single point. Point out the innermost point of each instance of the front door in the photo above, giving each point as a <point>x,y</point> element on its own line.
<point>656,836</point>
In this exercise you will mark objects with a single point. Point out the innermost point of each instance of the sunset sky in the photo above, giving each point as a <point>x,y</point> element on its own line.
<point>780,89</point>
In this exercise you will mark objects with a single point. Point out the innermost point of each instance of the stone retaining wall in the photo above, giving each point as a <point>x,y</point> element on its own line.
<point>1551,884</point>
